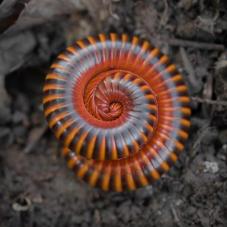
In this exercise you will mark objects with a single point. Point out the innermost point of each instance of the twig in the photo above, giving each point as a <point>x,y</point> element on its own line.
<point>164,17</point>
<point>195,44</point>
<point>207,109</point>
<point>209,101</point>
<point>188,66</point>
<point>175,215</point>
<point>35,138</point>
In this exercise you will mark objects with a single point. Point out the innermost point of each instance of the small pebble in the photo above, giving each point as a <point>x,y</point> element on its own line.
<point>210,167</point>
<point>22,204</point>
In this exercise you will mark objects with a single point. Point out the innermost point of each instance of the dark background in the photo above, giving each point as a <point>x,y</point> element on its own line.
<point>36,188</point>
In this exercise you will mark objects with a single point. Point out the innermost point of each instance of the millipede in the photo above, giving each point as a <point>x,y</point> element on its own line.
<point>120,109</point>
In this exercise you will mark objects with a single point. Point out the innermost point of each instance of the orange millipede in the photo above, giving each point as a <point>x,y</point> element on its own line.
<point>120,108</point>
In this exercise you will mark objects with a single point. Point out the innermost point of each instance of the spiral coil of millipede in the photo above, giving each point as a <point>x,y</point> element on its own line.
<point>120,109</point>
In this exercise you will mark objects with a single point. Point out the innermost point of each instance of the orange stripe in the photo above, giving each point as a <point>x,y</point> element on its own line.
<point>142,135</point>
<point>57,66</point>
<point>163,60</point>
<point>117,76</point>
<point>135,145</point>
<point>142,177</point>
<point>117,179</point>
<point>95,174</point>
<point>55,76</point>
<point>114,155</point>
<point>152,107</point>
<point>106,178</point>
<point>150,97</point>
<point>152,117</point>
<point>113,37</point>
<point>144,88</point>
<point>52,97</point>
<point>70,136</point>
<point>155,174</point>
<point>129,178</point>
<point>82,171</point>
<point>135,41</point>
<point>125,151</point>
<point>102,37</point>
<point>63,57</point>
<point>72,162</point>
<point>154,52</point>
<point>182,88</point>
<point>64,127</point>
<point>164,165</point>
<point>183,134</point>
<point>81,44</point>
<point>145,46</point>
<point>184,99</point>
<point>91,40</point>
<point>53,87</point>
<point>91,146</point>
<point>179,145</point>
<point>136,81</point>
<point>124,38</point>
<point>186,111</point>
<point>185,122</point>
<point>71,49</point>
<point>80,142</point>
<point>128,76</point>
<point>176,78</point>
<point>151,55</point>
<point>102,150</point>
<point>52,108</point>
<point>171,68</point>
<point>150,128</point>
<point>173,157</point>
<point>65,151</point>
<point>57,118</point>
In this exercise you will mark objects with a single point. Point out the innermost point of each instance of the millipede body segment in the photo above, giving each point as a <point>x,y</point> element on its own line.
<point>120,109</point>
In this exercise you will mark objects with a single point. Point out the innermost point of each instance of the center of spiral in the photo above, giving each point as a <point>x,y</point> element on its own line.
<point>116,107</point>
<point>106,99</point>
<point>112,111</point>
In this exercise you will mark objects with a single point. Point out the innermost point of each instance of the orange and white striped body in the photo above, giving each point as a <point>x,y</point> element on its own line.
<point>120,109</point>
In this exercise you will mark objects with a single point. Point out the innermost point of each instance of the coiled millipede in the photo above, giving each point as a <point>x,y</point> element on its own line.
<point>120,109</point>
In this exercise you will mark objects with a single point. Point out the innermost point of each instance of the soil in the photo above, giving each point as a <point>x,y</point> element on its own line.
<point>36,188</point>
